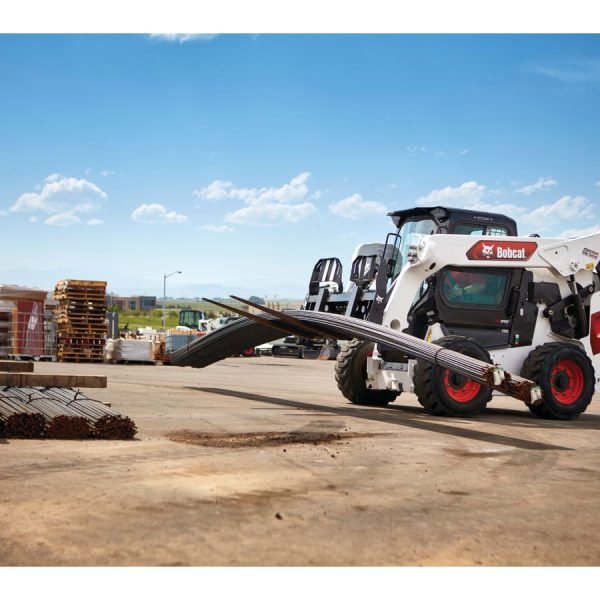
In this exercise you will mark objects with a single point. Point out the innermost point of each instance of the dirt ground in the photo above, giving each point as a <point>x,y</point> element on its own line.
<point>262,462</point>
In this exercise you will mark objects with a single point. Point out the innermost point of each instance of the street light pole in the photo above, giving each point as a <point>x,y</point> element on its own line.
<point>164,315</point>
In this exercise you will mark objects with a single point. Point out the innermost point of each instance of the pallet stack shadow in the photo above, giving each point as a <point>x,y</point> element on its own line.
<point>81,320</point>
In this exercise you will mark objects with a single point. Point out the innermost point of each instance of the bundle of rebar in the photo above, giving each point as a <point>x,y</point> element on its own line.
<point>114,427</point>
<point>64,427</point>
<point>259,329</point>
<point>26,426</point>
<point>65,413</point>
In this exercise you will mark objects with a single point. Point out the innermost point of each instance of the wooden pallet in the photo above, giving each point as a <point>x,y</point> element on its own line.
<point>43,380</point>
<point>81,343</point>
<point>81,359</point>
<point>75,319</point>
<point>132,362</point>
<point>79,283</point>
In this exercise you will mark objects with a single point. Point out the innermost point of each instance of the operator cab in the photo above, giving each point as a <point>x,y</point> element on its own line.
<point>376,266</point>
<point>440,220</point>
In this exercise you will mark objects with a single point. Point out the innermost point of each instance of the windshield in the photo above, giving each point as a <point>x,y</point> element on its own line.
<point>406,237</point>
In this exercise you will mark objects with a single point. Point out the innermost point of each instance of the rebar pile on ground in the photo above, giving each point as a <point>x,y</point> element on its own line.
<point>242,333</point>
<point>64,427</point>
<point>111,427</point>
<point>26,425</point>
<point>63,412</point>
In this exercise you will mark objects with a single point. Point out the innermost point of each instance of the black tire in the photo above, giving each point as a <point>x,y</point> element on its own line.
<point>444,393</point>
<point>565,374</point>
<point>351,373</point>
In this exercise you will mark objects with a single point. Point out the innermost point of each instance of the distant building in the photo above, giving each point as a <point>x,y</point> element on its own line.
<point>142,303</point>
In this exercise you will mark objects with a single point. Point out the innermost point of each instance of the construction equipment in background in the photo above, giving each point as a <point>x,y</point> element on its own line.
<point>81,320</point>
<point>294,346</point>
<point>449,297</point>
<point>191,318</point>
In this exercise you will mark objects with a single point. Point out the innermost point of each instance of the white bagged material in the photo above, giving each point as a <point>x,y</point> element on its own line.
<point>134,350</point>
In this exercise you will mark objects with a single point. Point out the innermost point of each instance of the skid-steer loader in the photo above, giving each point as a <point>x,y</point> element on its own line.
<point>449,293</point>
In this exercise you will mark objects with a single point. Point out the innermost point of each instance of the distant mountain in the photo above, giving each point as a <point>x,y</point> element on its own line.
<point>126,285</point>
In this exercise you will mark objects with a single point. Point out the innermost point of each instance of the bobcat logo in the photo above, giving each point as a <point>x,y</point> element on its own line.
<point>487,251</point>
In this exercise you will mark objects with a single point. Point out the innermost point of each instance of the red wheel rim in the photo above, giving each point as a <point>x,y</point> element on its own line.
<point>459,388</point>
<point>248,352</point>
<point>567,381</point>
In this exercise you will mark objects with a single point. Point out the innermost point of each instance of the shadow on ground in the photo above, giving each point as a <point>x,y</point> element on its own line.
<point>410,417</point>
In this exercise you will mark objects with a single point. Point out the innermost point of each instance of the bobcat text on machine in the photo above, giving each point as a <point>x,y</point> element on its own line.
<point>450,292</point>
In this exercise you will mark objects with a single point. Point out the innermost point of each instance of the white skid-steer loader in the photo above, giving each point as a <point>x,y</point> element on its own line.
<point>453,306</point>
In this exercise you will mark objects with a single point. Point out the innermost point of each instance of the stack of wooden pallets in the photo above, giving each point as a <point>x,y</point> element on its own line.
<point>81,320</point>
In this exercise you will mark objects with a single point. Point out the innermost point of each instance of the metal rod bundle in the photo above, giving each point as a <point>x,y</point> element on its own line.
<point>64,427</point>
<point>240,334</point>
<point>66,413</point>
<point>25,425</point>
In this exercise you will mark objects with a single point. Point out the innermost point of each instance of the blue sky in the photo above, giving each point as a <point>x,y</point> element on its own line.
<point>241,159</point>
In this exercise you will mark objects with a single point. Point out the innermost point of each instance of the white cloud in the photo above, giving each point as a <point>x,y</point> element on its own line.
<point>217,190</point>
<point>356,207</point>
<point>571,71</point>
<point>598,183</point>
<point>93,222</point>
<point>466,195</point>
<point>153,214</point>
<point>414,150</point>
<point>182,38</point>
<point>107,173</point>
<point>267,205</point>
<point>63,219</point>
<point>271,213</point>
<point>60,194</point>
<point>574,233</point>
<point>539,185</point>
<point>296,189</point>
<point>544,218</point>
<point>465,151</point>
<point>567,208</point>
<point>217,228</point>
<point>62,198</point>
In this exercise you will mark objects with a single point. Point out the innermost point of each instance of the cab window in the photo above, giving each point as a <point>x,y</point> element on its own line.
<point>479,229</point>
<point>473,288</point>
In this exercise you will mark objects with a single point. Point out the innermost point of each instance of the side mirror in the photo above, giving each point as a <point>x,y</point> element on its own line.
<point>390,266</point>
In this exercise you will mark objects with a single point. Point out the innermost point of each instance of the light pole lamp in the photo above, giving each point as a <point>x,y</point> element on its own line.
<point>164,319</point>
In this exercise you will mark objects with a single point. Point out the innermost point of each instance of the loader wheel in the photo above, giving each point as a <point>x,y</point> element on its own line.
<point>351,373</point>
<point>566,376</point>
<point>445,393</point>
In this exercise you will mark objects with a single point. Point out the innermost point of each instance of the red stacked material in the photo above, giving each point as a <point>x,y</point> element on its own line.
<point>21,320</point>
<point>81,320</point>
